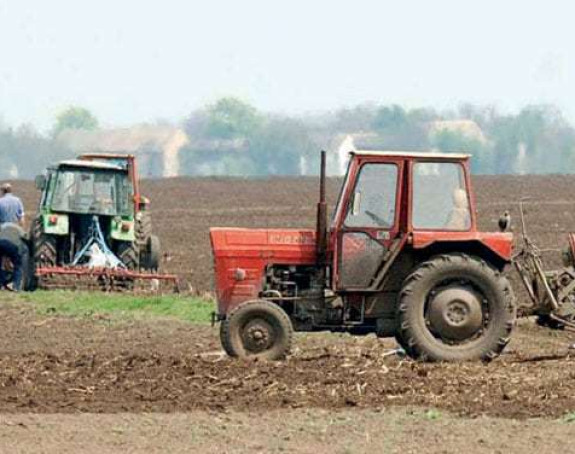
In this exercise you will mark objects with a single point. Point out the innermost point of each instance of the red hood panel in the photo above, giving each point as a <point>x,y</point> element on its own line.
<point>247,252</point>
<point>274,242</point>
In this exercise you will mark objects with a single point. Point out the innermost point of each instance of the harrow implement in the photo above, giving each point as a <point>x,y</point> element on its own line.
<point>105,279</point>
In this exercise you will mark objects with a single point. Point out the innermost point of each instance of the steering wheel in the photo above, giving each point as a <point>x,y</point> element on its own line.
<point>380,221</point>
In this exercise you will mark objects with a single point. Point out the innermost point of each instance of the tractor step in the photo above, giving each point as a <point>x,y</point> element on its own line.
<point>105,279</point>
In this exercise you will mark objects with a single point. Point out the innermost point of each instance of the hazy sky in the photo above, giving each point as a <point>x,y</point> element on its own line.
<point>133,61</point>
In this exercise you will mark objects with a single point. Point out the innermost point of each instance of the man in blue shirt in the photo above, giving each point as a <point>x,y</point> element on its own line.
<point>11,208</point>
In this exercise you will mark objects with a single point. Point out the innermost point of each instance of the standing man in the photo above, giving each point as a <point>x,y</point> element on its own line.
<point>13,245</point>
<point>11,208</point>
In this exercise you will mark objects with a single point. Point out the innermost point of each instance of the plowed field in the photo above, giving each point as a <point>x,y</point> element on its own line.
<point>63,365</point>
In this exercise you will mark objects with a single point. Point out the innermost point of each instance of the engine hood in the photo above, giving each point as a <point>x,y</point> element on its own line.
<point>292,244</point>
<point>241,257</point>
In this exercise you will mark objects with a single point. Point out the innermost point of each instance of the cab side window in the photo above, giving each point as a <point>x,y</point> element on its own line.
<point>440,200</point>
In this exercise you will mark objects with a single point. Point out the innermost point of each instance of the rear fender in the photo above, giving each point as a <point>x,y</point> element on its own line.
<point>495,248</point>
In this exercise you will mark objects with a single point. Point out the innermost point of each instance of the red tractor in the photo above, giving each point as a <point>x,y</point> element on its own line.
<point>401,257</point>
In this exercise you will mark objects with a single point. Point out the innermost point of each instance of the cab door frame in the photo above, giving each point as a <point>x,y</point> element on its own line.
<point>392,237</point>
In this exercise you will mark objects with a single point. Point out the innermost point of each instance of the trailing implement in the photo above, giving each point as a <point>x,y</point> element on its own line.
<point>93,228</point>
<point>551,292</point>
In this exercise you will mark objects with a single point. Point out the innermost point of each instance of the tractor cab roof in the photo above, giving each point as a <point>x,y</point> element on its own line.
<point>84,164</point>
<point>430,155</point>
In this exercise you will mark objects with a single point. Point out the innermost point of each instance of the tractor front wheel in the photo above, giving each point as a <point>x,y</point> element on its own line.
<point>455,308</point>
<point>258,330</point>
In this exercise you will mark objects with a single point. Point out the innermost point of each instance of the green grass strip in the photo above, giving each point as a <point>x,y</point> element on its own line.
<point>114,305</point>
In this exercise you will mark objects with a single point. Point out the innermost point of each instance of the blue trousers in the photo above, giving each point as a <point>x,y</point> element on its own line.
<point>10,250</point>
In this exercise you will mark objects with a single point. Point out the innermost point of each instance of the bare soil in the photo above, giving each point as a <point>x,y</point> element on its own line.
<point>389,431</point>
<point>62,365</point>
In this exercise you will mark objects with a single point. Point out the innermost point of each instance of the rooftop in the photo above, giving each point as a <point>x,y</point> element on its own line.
<point>150,138</point>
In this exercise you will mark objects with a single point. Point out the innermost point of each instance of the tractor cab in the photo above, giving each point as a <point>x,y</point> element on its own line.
<point>74,192</point>
<point>82,187</point>
<point>393,200</point>
<point>401,257</point>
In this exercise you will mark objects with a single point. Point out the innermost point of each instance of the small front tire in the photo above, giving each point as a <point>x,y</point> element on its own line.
<point>257,330</point>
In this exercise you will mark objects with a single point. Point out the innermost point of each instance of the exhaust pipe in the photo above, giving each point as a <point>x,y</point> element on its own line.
<point>321,227</point>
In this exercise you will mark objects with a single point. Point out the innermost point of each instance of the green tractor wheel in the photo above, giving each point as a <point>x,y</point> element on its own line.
<point>44,247</point>
<point>43,252</point>
<point>128,253</point>
<point>147,243</point>
<point>153,254</point>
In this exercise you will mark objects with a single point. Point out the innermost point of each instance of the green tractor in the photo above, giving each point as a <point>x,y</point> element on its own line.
<point>91,220</point>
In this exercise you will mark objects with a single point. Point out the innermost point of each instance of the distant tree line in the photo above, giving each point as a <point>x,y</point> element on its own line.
<point>236,138</point>
<point>272,144</point>
<point>538,139</point>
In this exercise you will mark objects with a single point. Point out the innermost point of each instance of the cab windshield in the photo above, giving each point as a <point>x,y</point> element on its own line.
<point>89,191</point>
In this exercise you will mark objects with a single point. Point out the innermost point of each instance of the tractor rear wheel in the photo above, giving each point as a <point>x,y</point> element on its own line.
<point>455,308</point>
<point>258,330</point>
<point>44,247</point>
<point>153,252</point>
<point>128,253</point>
<point>150,254</point>
<point>43,253</point>
<point>143,235</point>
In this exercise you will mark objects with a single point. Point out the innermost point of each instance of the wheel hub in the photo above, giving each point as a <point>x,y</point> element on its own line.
<point>258,335</point>
<point>455,314</point>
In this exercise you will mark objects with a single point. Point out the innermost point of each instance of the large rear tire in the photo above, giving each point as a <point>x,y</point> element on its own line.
<point>143,234</point>
<point>44,247</point>
<point>154,248</point>
<point>128,253</point>
<point>455,308</point>
<point>43,253</point>
<point>258,330</point>
<point>150,254</point>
